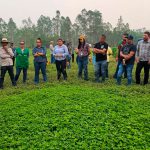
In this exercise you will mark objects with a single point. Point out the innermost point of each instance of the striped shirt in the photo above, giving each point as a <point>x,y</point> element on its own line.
<point>143,50</point>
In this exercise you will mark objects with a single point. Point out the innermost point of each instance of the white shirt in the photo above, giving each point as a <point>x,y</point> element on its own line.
<point>51,48</point>
<point>6,57</point>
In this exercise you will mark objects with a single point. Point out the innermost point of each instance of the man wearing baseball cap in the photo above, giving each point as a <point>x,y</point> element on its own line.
<point>6,57</point>
<point>127,57</point>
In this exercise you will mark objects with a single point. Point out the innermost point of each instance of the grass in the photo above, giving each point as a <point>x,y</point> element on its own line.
<point>75,114</point>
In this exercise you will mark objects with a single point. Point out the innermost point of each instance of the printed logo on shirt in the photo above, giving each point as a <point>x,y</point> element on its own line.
<point>102,47</point>
<point>126,50</point>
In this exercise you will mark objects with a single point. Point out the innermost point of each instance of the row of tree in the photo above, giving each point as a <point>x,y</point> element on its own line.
<point>89,23</point>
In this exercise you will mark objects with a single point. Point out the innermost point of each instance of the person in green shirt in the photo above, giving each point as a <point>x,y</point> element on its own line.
<point>22,61</point>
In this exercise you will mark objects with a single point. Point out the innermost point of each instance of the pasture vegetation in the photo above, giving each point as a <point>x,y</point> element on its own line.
<point>75,114</point>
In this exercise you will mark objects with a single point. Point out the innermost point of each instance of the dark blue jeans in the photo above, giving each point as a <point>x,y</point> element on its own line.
<point>10,70</point>
<point>77,59</point>
<point>83,65</point>
<point>18,71</point>
<point>100,68</point>
<point>107,71</point>
<point>52,59</point>
<point>117,69</point>
<point>129,68</point>
<point>40,66</point>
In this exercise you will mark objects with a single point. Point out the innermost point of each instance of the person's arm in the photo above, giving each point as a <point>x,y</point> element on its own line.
<point>98,51</point>
<point>3,56</point>
<point>66,53</point>
<point>94,49</point>
<point>121,53</point>
<point>117,56</point>
<point>76,50</point>
<point>35,54</point>
<point>10,52</point>
<point>101,51</point>
<point>104,50</point>
<point>54,52</point>
<point>44,53</point>
<point>137,53</point>
<point>131,54</point>
<point>149,56</point>
<point>118,50</point>
<point>89,50</point>
<point>51,47</point>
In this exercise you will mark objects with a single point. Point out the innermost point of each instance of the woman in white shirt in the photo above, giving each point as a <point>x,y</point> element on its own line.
<point>60,53</point>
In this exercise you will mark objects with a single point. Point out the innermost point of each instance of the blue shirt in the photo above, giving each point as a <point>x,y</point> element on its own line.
<point>39,58</point>
<point>60,50</point>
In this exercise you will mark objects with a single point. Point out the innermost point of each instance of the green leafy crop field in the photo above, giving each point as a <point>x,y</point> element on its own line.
<point>74,115</point>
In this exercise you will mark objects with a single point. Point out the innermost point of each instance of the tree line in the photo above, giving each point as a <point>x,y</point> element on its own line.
<point>88,22</point>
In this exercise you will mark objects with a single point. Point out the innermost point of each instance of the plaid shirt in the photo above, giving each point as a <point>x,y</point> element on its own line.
<point>143,50</point>
<point>84,51</point>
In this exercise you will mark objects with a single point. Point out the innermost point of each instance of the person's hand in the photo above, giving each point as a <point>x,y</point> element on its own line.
<point>36,55</point>
<point>40,54</point>
<point>94,50</point>
<point>58,55</point>
<point>126,57</point>
<point>6,48</point>
<point>90,58</point>
<point>76,50</point>
<point>149,62</point>
<point>121,55</point>
<point>104,51</point>
<point>116,59</point>
<point>67,63</point>
<point>137,60</point>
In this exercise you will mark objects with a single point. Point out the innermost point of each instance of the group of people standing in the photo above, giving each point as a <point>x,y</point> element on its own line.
<point>21,57</point>
<point>128,52</point>
<point>7,59</point>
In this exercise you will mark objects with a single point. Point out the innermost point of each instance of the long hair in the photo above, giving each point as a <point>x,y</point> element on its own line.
<point>81,45</point>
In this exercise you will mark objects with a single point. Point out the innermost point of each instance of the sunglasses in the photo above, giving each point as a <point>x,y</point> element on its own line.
<point>21,43</point>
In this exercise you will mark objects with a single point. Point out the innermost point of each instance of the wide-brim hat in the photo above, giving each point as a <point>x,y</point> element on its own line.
<point>82,36</point>
<point>4,40</point>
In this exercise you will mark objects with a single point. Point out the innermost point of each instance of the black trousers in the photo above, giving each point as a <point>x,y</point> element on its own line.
<point>73,58</point>
<point>61,68</point>
<point>10,70</point>
<point>140,66</point>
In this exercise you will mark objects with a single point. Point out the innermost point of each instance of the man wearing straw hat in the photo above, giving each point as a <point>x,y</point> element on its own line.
<point>6,63</point>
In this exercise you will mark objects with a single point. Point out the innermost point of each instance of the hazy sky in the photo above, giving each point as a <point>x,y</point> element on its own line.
<point>135,12</point>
